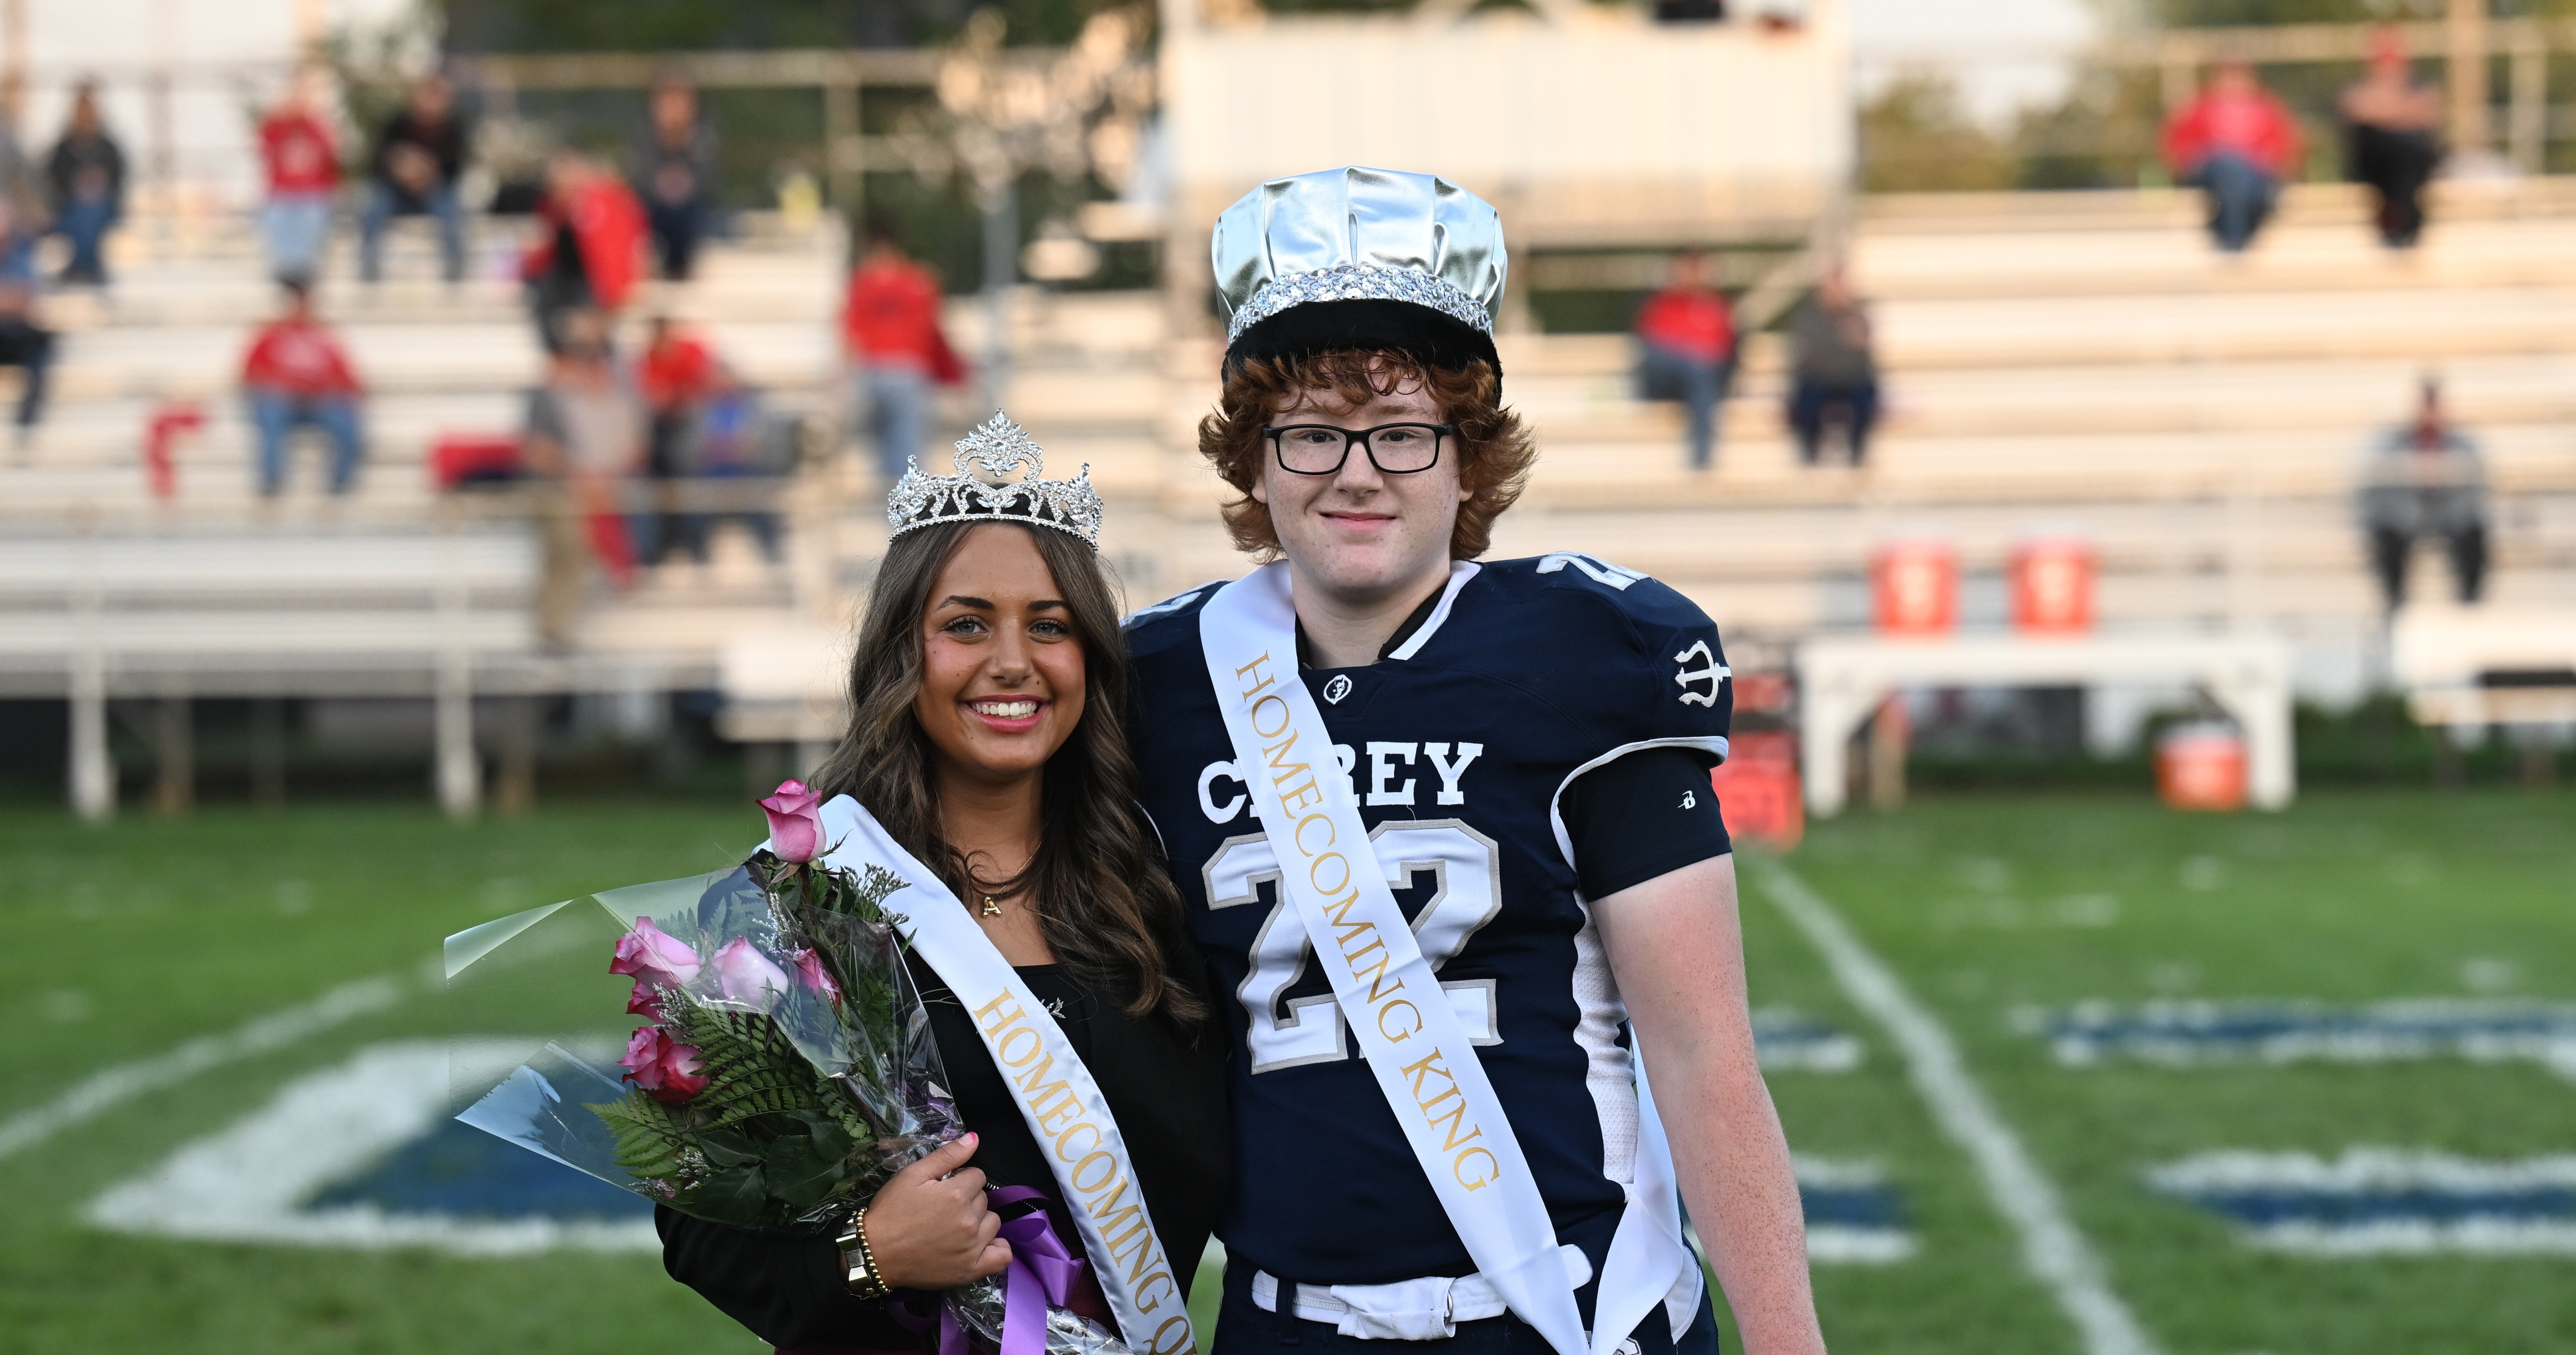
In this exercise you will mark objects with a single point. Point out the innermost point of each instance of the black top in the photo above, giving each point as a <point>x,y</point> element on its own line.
<point>1166,1090</point>
<point>86,169</point>
<point>443,141</point>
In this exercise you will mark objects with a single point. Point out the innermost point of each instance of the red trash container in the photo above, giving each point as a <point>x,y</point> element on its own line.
<point>1758,790</point>
<point>2052,586</point>
<point>1914,587</point>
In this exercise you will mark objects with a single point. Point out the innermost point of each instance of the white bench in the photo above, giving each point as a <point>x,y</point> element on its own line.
<point>2486,665</point>
<point>1842,678</point>
<point>255,613</point>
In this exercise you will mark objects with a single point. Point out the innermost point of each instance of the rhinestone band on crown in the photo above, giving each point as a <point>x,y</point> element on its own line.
<point>1358,282</point>
<point>997,449</point>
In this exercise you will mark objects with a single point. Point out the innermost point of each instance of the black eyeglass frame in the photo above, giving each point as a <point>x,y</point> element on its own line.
<point>1358,437</point>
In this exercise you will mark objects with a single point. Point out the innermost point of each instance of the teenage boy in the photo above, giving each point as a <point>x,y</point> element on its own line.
<point>1446,833</point>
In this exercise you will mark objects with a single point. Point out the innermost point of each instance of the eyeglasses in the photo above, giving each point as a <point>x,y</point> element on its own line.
<point>1394,448</point>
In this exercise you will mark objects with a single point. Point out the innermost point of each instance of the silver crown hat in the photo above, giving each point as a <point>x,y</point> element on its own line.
<point>997,449</point>
<point>1373,259</point>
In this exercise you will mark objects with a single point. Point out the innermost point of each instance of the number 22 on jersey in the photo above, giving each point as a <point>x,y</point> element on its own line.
<point>1466,893</point>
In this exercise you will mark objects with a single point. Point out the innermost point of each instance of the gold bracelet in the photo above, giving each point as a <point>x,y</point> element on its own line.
<point>860,1264</point>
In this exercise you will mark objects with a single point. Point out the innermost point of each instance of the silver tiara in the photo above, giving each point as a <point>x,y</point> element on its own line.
<point>997,449</point>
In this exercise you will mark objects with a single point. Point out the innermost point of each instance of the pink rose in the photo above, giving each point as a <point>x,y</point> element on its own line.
<point>648,954</point>
<point>810,970</point>
<point>795,825</point>
<point>666,1069</point>
<point>645,1001</point>
<point>745,975</point>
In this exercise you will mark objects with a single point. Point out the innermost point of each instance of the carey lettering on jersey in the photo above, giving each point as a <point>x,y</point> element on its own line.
<point>1390,778</point>
<point>1454,752</point>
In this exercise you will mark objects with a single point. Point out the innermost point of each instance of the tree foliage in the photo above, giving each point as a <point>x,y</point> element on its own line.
<point>1917,137</point>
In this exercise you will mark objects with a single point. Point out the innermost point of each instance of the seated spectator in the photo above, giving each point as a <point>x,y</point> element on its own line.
<point>677,375</point>
<point>86,173</point>
<point>2237,142</point>
<point>1688,336</point>
<point>586,255</point>
<point>584,441</point>
<point>302,157</point>
<point>2393,125</point>
<point>675,170</point>
<point>297,375</point>
<point>2425,480</point>
<point>27,346</point>
<point>739,444</point>
<point>890,333</point>
<point>1833,372</point>
<point>413,172</point>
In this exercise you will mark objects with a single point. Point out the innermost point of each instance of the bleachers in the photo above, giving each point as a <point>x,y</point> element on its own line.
<point>2077,360</point>
<point>2201,417</point>
<point>393,589</point>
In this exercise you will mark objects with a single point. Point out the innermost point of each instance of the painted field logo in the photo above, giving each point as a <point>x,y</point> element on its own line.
<point>2190,1034</point>
<point>363,1155</point>
<point>2377,1201</point>
<point>1785,1039</point>
<point>1854,1217</point>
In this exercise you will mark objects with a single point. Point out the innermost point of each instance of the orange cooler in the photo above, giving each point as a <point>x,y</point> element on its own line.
<point>2201,766</point>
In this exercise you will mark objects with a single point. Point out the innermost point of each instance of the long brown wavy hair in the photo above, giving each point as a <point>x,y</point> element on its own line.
<point>1109,911</point>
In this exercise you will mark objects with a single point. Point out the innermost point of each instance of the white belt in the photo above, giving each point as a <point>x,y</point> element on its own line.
<point>1427,1309</point>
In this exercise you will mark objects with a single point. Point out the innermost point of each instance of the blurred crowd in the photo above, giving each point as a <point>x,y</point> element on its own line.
<point>644,439</point>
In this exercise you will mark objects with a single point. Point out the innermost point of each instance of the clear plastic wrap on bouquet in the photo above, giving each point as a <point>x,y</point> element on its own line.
<point>782,1069</point>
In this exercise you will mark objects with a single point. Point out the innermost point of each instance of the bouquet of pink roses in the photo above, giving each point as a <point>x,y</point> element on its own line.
<point>784,1067</point>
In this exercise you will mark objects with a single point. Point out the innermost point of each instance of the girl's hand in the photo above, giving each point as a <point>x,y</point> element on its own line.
<point>930,1229</point>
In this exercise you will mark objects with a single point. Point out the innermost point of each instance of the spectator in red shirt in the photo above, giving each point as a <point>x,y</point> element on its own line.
<point>297,375</point>
<point>1688,335</point>
<point>303,161</point>
<point>676,375</point>
<point>2239,143</point>
<point>890,331</point>
<point>589,248</point>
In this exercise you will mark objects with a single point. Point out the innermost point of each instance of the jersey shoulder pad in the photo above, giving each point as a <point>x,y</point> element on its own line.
<point>1174,620</point>
<point>1573,589</point>
<point>1641,658</point>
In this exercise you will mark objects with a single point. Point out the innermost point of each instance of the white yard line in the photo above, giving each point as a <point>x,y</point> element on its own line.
<point>2053,1249</point>
<point>276,1030</point>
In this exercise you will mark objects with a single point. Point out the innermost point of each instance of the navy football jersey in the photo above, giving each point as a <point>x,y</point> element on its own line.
<point>1457,746</point>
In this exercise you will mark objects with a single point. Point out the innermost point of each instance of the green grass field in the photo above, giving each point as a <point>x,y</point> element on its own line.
<point>127,941</point>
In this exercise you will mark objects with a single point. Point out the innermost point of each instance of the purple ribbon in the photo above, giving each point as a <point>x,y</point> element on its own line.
<point>1043,1275</point>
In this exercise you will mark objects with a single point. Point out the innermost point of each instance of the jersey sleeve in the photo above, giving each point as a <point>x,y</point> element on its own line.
<point>1647,814</point>
<point>1657,676</point>
<point>1648,675</point>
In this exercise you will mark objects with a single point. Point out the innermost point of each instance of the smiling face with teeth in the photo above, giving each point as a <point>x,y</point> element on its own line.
<point>1002,665</point>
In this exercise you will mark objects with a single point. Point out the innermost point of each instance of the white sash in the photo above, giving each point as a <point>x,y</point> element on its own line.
<point>1411,1036</point>
<point>1054,1091</point>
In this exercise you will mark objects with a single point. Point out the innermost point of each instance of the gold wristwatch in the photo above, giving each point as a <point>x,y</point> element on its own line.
<point>860,1264</point>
